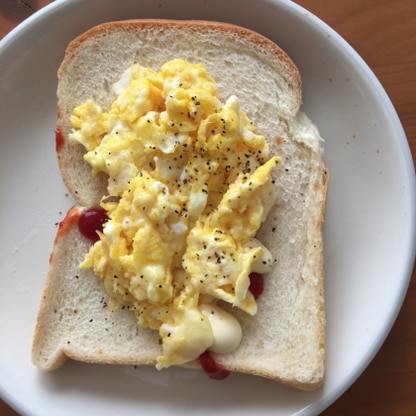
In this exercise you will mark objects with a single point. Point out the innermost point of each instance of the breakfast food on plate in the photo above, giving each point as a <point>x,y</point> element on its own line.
<point>200,188</point>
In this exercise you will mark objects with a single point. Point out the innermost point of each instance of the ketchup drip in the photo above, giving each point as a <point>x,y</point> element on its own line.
<point>211,368</point>
<point>59,140</point>
<point>256,284</point>
<point>91,221</point>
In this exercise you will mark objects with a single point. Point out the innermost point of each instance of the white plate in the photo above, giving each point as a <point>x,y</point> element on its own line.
<point>369,230</point>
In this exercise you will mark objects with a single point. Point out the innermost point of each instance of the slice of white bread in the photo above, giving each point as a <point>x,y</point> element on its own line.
<point>285,341</point>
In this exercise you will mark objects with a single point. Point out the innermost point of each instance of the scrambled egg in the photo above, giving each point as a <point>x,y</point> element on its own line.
<point>189,186</point>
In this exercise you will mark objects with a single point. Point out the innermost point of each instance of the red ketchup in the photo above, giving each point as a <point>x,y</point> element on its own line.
<point>211,368</point>
<point>91,221</point>
<point>59,140</point>
<point>256,284</point>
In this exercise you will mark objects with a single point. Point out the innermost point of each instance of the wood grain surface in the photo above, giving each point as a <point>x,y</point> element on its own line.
<point>383,32</point>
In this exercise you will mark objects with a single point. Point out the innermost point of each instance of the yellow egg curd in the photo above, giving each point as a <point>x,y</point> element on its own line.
<point>189,185</point>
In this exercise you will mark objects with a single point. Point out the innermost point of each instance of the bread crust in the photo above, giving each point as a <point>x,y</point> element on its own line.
<point>302,184</point>
<point>191,26</point>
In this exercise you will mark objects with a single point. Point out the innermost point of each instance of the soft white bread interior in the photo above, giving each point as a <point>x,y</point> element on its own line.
<point>285,341</point>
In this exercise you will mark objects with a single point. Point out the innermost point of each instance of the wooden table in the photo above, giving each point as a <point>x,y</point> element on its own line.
<point>384,33</point>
